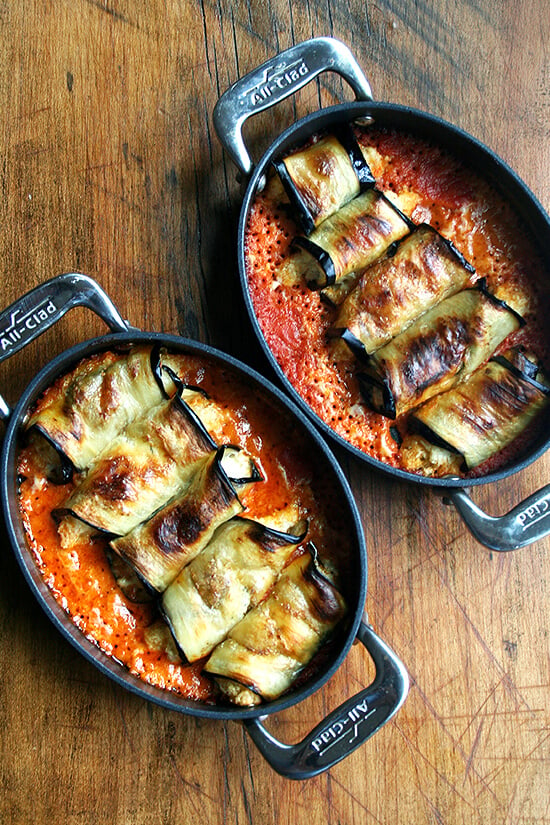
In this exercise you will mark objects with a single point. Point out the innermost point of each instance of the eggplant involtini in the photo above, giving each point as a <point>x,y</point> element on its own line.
<point>344,244</point>
<point>233,574</point>
<point>445,345</point>
<point>88,408</point>
<point>324,176</point>
<point>464,427</point>
<point>347,357</point>
<point>184,522</point>
<point>266,651</point>
<point>161,546</point>
<point>143,467</point>
<point>424,269</point>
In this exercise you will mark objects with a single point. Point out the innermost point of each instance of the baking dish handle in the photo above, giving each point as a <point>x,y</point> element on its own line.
<point>34,313</point>
<point>345,728</point>
<point>526,523</point>
<point>277,79</point>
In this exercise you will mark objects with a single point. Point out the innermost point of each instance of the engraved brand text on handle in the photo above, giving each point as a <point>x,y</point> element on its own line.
<point>348,724</point>
<point>21,324</point>
<point>532,514</point>
<point>278,81</point>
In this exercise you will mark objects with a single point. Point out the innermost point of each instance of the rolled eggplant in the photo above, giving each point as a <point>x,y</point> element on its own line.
<point>143,468</point>
<point>127,579</point>
<point>323,177</point>
<point>345,243</point>
<point>232,574</point>
<point>393,292</point>
<point>445,345</point>
<point>90,406</point>
<point>162,546</point>
<point>479,417</point>
<point>266,651</point>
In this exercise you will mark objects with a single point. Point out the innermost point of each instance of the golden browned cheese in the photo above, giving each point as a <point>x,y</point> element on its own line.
<point>393,292</point>
<point>143,467</point>
<point>167,541</point>
<point>265,651</point>
<point>442,347</point>
<point>482,415</point>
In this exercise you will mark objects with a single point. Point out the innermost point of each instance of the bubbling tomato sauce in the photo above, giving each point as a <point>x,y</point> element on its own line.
<point>431,186</point>
<point>81,578</point>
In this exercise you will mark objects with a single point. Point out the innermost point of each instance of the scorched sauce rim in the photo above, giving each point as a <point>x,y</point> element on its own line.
<point>294,320</point>
<point>80,577</point>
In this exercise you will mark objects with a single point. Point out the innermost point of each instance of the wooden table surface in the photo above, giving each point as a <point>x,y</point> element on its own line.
<point>110,166</point>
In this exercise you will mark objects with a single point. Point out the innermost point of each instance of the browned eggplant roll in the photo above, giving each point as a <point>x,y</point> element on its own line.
<point>233,573</point>
<point>324,176</point>
<point>265,652</point>
<point>393,292</point>
<point>141,469</point>
<point>479,417</point>
<point>345,243</point>
<point>127,579</point>
<point>445,345</point>
<point>161,546</point>
<point>85,410</point>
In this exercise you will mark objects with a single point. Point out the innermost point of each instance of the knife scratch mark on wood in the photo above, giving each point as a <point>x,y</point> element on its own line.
<point>417,756</point>
<point>193,786</point>
<point>226,761</point>
<point>246,747</point>
<point>102,6</point>
<point>246,804</point>
<point>473,750</point>
<point>362,805</point>
<point>456,742</point>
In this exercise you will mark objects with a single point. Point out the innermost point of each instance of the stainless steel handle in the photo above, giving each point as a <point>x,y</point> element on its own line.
<point>277,79</point>
<point>32,314</point>
<point>347,727</point>
<point>526,523</point>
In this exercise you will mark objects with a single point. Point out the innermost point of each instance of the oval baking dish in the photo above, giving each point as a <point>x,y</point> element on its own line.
<point>335,737</point>
<point>275,80</point>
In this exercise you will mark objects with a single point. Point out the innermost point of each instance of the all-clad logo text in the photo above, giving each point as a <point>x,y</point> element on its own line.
<point>22,324</point>
<point>349,724</point>
<point>277,82</point>
<point>534,513</point>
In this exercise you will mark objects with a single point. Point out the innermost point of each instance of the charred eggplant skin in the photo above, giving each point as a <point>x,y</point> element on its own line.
<point>417,272</point>
<point>233,573</point>
<point>442,347</point>
<point>484,414</point>
<point>100,400</point>
<point>159,547</point>
<point>265,652</point>
<point>308,211</point>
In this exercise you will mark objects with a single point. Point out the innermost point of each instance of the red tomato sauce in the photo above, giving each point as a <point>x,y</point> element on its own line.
<point>81,578</point>
<point>295,321</point>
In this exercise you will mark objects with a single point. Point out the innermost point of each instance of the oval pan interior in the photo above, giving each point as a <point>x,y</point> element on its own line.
<point>64,623</point>
<point>481,160</point>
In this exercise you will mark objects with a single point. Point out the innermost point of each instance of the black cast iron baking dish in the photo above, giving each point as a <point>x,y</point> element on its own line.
<point>345,728</point>
<point>282,76</point>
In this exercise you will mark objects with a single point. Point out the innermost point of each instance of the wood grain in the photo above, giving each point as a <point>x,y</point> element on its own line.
<point>109,165</point>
